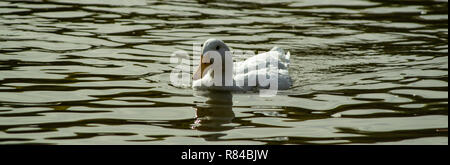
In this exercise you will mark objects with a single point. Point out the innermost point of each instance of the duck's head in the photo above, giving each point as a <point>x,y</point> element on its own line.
<point>209,47</point>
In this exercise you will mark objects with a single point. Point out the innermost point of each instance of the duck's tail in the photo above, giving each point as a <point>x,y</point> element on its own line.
<point>284,57</point>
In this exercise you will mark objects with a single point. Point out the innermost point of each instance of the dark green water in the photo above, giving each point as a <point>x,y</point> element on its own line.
<point>97,72</point>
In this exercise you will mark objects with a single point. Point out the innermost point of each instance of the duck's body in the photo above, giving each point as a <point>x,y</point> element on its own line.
<point>246,75</point>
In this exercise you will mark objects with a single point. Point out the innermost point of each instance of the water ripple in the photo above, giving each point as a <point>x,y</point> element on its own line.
<point>97,72</point>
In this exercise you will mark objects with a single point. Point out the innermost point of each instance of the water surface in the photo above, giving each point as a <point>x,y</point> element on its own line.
<point>97,72</point>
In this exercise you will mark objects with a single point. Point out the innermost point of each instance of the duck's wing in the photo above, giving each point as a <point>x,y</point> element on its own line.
<point>249,68</point>
<point>275,54</point>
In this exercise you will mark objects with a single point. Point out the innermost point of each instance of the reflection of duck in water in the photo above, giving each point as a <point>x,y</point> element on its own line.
<point>215,112</point>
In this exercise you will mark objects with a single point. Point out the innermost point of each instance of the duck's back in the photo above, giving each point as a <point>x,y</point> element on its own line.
<point>276,64</point>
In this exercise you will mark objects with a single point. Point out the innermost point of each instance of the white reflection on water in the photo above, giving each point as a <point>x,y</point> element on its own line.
<point>215,111</point>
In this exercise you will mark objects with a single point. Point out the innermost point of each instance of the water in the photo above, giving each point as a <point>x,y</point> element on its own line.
<point>97,72</point>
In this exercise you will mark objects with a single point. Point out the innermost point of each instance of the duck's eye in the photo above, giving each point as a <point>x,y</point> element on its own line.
<point>201,45</point>
<point>218,47</point>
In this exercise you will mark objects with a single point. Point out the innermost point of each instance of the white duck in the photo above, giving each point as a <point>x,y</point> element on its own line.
<point>276,62</point>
